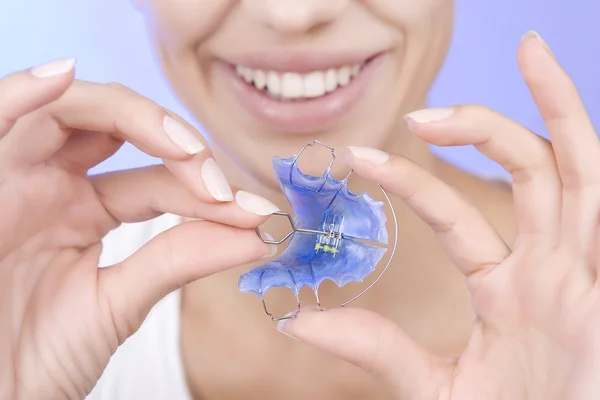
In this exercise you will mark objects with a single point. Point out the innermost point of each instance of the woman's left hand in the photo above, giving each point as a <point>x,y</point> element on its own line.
<point>537,332</point>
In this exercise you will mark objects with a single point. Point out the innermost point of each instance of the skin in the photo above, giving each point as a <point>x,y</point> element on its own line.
<point>519,321</point>
<point>188,36</point>
<point>62,317</point>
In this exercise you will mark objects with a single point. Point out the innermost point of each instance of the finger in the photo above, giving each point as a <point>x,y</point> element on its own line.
<point>570,129</point>
<point>529,158</point>
<point>202,175</point>
<point>194,170</point>
<point>374,344</point>
<point>145,193</point>
<point>129,117</point>
<point>574,140</point>
<point>134,118</point>
<point>84,150</point>
<point>180,255</point>
<point>25,91</point>
<point>468,238</point>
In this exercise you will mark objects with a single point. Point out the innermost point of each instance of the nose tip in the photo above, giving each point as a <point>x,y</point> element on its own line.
<point>292,19</point>
<point>296,16</point>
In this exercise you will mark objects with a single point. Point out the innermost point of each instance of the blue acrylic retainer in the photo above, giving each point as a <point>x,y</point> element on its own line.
<point>329,237</point>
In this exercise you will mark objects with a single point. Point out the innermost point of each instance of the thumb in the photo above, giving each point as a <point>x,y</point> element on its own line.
<point>375,344</point>
<point>178,256</point>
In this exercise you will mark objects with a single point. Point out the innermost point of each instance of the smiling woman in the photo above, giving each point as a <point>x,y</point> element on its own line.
<point>462,312</point>
<point>397,49</point>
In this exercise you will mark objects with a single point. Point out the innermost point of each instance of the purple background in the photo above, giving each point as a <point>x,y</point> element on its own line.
<point>108,38</point>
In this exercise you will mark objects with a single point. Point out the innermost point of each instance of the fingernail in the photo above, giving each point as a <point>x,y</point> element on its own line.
<point>516,243</point>
<point>53,68</point>
<point>254,203</point>
<point>536,35</point>
<point>430,114</point>
<point>281,325</point>
<point>369,154</point>
<point>273,247</point>
<point>215,181</point>
<point>182,136</point>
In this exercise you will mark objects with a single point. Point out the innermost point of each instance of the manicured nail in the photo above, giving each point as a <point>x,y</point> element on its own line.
<point>53,68</point>
<point>282,324</point>
<point>536,35</point>
<point>516,243</point>
<point>369,154</point>
<point>430,115</point>
<point>273,250</point>
<point>215,181</point>
<point>254,203</point>
<point>182,136</point>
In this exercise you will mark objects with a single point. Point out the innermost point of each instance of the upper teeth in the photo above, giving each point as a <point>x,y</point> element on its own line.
<point>292,85</point>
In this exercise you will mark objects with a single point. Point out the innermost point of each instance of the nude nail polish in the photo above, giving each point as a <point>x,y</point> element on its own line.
<point>53,68</point>
<point>215,181</point>
<point>369,154</point>
<point>273,247</point>
<point>536,35</point>
<point>430,115</point>
<point>254,203</point>
<point>182,136</point>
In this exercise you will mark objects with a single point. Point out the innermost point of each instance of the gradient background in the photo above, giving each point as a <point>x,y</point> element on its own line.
<point>109,40</point>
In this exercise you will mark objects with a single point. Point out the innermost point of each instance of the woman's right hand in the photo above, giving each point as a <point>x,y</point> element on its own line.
<point>61,317</point>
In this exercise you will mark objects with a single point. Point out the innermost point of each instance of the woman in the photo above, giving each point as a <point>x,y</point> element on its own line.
<point>264,78</point>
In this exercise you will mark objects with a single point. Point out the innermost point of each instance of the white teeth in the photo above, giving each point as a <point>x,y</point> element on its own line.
<point>260,79</point>
<point>292,85</point>
<point>314,84</point>
<point>245,73</point>
<point>343,76</point>
<point>273,84</point>
<point>330,80</point>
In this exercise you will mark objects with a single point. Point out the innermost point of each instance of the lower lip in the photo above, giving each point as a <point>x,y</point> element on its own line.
<point>301,115</point>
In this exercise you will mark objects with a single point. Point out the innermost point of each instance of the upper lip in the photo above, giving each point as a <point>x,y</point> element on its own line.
<point>299,61</point>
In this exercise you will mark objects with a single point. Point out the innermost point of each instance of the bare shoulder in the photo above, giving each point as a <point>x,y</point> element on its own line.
<point>492,197</point>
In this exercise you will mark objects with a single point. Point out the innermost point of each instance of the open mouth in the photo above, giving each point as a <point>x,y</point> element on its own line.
<point>297,86</point>
<point>299,98</point>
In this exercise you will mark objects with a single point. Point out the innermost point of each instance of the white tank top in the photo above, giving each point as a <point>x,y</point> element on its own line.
<point>148,365</point>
